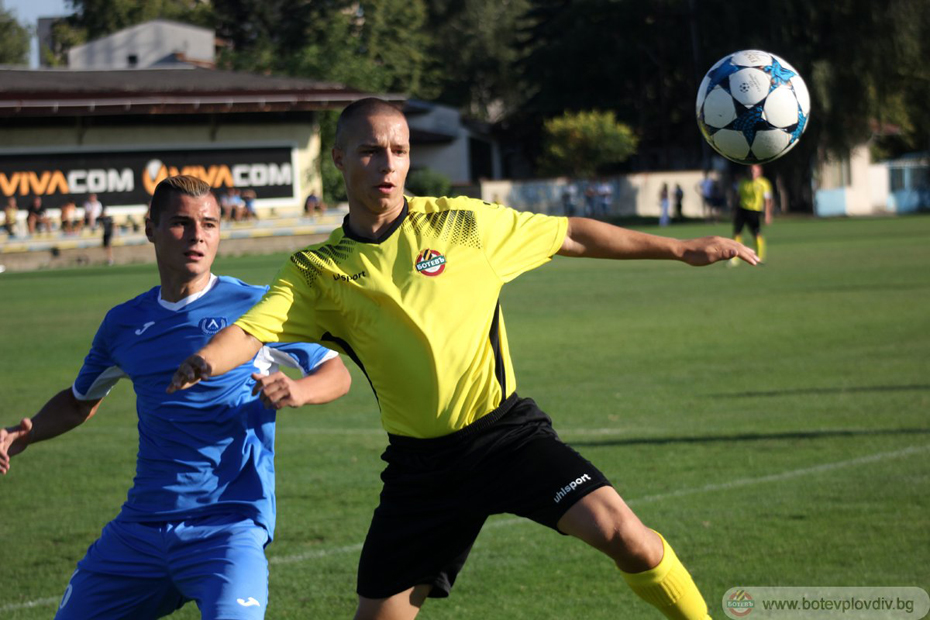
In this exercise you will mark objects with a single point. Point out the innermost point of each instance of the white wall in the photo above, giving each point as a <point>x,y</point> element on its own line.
<point>149,42</point>
<point>634,194</point>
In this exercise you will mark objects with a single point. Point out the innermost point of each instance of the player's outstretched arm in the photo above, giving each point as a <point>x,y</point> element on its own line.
<point>330,380</point>
<point>60,414</point>
<point>594,239</point>
<point>228,349</point>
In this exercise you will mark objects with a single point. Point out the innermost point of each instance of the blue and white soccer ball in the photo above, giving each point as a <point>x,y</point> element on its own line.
<point>752,107</point>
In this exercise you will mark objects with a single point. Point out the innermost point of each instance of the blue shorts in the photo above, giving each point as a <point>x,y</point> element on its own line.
<point>140,571</point>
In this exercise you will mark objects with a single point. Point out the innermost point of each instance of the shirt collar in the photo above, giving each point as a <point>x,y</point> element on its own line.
<point>385,234</point>
<point>177,305</point>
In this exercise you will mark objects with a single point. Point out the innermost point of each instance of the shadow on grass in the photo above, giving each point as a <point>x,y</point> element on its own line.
<point>640,441</point>
<point>834,390</point>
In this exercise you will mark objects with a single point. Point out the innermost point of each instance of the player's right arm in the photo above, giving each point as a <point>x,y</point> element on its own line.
<point>283,314</point>
<point>230,348</point>
<point>60,414</point>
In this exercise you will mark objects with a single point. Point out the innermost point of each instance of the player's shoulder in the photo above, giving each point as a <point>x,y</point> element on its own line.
<point>228,286</point>
<point>336,248</point>
<point>434,204</point>
<point>132,312</point>
<point>132,307</point>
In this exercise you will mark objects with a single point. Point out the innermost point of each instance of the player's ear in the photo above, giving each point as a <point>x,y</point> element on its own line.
<point>149,230</point>
<point>337,157</point>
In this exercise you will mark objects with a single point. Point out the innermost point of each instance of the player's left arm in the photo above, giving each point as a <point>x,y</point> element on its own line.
<point>595,239</point>
<point>329,381</point>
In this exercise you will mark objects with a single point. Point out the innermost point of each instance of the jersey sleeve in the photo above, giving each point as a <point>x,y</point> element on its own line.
<point>286,312</point>
<point>517,241</point>
<point>100,372</point>
<point>302,356</point>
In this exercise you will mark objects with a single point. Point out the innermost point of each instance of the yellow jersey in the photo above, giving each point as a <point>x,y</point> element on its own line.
<point>417,309</point>
<point>753,193</point>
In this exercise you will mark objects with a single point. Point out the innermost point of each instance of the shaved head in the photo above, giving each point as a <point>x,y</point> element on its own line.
<point>363,108</point>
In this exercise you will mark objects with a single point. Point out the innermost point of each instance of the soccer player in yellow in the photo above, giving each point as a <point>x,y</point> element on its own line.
<point>409,289</point>
<point>755,195</point>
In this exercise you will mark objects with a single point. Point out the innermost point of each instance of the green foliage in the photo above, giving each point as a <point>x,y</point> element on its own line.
<point>334,188</point>
<point>580,144</point>
<point>474,55</point>
<point>427,182</point>
<point>767,444</point>
<point>14,39</point>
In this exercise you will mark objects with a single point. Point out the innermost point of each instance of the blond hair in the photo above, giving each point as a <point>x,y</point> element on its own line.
<point>180,185</point>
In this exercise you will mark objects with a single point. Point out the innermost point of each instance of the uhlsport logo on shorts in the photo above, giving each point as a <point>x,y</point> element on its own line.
<point>571,486</point>
<point>430,262</point>
<point>212,324</point>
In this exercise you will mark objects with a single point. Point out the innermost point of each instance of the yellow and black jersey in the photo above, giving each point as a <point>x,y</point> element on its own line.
<point>417,308</point>
<point>753,193</point>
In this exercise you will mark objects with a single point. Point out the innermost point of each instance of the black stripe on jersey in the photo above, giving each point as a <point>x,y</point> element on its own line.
<point>345,346</point>
<point>499,371</point>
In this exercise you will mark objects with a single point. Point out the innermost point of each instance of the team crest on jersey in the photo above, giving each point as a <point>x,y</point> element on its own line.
<point>212,324</point>
<point>430,262</point>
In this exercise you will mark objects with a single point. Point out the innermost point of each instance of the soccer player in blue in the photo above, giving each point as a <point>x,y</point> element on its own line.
<point>202,506</point>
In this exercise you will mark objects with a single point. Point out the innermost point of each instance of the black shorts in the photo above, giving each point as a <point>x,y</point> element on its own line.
<point>438,493</point>
<point>744,217</point>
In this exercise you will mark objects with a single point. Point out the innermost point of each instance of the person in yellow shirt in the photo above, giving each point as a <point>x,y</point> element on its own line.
<point>755,196</point>
<point>409,289</point>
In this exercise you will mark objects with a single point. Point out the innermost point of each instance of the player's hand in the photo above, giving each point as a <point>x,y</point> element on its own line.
<point>191,371</point>
<point>709,250</point>
<point>277,390</point>
<point>13,440</point>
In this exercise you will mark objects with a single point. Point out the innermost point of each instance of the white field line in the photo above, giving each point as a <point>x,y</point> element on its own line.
<point>709,488</point>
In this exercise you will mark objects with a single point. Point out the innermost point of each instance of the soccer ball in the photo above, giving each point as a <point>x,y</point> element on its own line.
<point>752,107</point>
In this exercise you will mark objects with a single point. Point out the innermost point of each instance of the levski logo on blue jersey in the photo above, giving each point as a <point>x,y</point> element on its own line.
<point>212,325</point>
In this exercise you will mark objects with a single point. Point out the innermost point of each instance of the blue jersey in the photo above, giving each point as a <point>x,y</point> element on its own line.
<point>208,449</point>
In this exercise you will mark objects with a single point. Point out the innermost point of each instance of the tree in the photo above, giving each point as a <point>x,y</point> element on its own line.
<point>580,144</point>
<point>428,182</point>
<point>14,39</point>
<point>643,60</point>
<point>474,54</point>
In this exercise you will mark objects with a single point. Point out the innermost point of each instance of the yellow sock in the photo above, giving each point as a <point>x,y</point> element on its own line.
<point>760,247</point>
<point>735,260</point>
<point>669,588</point>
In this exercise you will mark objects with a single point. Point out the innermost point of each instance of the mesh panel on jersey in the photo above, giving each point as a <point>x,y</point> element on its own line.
<point>457,227</point>
<point>312,262</point>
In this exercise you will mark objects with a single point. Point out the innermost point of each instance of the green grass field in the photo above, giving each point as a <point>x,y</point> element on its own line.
<point>773,423</point>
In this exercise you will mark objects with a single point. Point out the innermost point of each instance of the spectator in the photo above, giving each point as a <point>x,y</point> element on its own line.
<point>663,205</point>
<point>679,198</point>
<point>605,197</point>
<point>70,223</point>
<point>248,200</point>
<point>106,223</point>
<point>313,206</point>
<point>92,210</point>
<point>569,200</point>
<point>37,218</point>
<point>232,205</point>
<point>9,216</point>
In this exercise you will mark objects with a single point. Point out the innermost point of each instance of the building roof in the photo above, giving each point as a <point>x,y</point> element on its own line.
<point>187,90</point>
